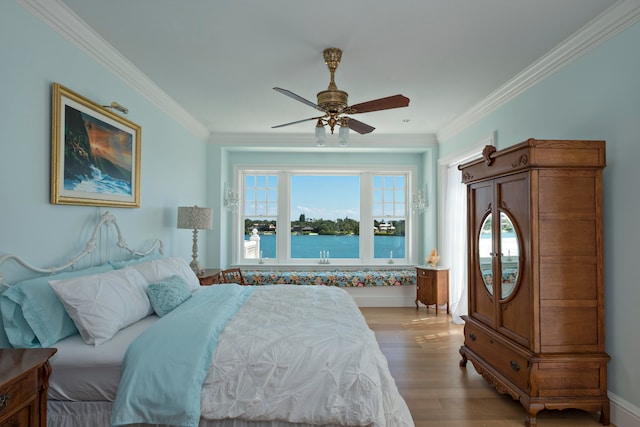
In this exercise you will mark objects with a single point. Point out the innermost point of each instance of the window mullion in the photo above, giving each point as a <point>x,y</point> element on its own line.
<point>366,218</point>
<point>283,233</point>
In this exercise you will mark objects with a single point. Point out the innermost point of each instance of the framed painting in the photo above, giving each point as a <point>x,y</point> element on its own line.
<point>95,153</point>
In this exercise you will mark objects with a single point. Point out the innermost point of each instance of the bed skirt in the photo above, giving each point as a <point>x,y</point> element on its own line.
<point>98,414</point>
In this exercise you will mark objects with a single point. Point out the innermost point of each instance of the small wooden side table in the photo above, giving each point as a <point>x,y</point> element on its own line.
<point>432,286</point>
<point>210,276</point>
<point>24,380</point>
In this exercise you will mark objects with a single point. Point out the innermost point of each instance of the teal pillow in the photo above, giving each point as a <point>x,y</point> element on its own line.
<point>32,314</point>
<point>167,295</point>
<point>4,341</point>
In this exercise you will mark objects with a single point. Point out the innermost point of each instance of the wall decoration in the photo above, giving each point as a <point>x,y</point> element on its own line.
<point>95,153</point>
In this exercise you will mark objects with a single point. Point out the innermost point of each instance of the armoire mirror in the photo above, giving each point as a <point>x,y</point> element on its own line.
<point>510,255</point>
<point>485,252</point>
<point>509,259</point>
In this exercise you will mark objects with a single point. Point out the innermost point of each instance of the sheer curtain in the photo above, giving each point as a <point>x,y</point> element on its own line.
<point>453,220</point>
<point>454,241</point>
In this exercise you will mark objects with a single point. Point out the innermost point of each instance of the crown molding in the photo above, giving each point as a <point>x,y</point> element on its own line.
<point>247,137</point>
<point>612,21</point>
<point>409,143</point>
<point>65,22</point>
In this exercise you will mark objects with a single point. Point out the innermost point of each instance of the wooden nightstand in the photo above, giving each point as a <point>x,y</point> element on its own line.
<point>210,276</point>
<point>432,286</point>
<point>24,380</point>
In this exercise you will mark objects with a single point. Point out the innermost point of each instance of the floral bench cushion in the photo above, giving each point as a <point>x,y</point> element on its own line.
<point>343,278</point>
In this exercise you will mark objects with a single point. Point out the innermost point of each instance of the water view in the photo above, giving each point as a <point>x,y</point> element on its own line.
<point>309,246</point>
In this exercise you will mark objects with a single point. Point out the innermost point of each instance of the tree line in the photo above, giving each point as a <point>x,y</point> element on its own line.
<point>341,226</point>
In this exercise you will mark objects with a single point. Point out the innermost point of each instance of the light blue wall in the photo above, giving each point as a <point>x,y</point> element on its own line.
<point>32,56</point>
<point>598,96</point>
<point>595,97</point>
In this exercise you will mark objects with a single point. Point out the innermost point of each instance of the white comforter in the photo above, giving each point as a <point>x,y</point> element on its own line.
<point>302,354</point>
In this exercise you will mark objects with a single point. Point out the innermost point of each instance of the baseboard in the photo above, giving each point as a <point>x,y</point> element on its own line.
<point>623,413</point>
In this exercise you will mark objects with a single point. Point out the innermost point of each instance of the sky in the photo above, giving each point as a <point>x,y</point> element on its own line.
<point>327,197</point>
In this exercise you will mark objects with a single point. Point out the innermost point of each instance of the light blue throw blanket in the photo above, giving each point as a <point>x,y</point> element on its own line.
<point>165,367</point>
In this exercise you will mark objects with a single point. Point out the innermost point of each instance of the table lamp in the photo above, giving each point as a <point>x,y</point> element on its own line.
<point>195,218</point>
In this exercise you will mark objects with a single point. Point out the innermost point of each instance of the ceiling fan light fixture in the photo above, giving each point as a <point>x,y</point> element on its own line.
<point>343,136</point>
<point>343,133</point>
<point>321,136</point>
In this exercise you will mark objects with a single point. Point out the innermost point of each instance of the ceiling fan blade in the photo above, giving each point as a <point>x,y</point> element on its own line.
<point>360,127</point>
<point>297,121</point>
<point>395,101</point>
<point>297,98</point>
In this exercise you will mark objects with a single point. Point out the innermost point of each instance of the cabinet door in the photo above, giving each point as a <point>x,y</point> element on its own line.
<point>482,305</point>
<point>512,274</point>
<point>426,287</point>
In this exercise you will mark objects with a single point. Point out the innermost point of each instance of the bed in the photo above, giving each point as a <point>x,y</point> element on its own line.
<point>141,343</point>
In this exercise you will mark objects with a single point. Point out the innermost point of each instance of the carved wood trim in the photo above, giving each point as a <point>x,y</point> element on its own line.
<point>489,377</point>
<point>522,161</point>
<point>487,151</point>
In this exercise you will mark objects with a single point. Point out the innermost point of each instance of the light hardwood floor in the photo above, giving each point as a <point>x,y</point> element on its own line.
<point>422,351</point>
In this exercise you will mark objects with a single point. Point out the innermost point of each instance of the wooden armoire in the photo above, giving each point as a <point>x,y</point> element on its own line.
<point>535,328</point>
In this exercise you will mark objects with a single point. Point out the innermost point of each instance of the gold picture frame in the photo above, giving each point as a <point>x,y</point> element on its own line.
<point>95,153</point>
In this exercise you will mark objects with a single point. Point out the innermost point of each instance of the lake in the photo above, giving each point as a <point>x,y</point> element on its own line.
<point>309,246</point>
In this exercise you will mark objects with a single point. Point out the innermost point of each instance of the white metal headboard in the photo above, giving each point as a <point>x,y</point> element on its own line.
<point>107,219</point>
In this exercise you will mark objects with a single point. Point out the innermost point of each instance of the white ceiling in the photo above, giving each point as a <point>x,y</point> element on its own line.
<point>219,60</point>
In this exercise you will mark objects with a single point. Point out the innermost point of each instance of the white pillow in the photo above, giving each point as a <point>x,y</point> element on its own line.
<point>102,304</point>
<point>160,270</point>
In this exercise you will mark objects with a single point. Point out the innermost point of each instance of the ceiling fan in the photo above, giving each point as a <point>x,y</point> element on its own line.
<point>333,102</point>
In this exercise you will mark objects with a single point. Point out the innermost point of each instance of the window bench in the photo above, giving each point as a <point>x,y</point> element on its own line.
<point>343,277</point>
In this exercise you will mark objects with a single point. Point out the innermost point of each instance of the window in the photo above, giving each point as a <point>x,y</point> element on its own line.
<point>260,209</point>
<point>389,208</point>
<point>331,216</point>
<point>324,216</point>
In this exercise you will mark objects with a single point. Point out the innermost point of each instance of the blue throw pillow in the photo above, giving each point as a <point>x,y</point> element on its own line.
<point>167,295</point>
<point>32,314</point>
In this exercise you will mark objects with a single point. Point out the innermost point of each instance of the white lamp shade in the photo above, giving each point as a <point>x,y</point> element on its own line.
<point>320,135</point>
<point>195,218</point>
<point>343,135</point>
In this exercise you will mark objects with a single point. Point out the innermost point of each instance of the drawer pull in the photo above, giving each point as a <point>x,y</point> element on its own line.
<point>4,400</point>
<point>472,336</point>
<point>514,366</point>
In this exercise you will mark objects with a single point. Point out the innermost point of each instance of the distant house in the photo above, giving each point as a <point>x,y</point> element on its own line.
<point>386,228</point>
